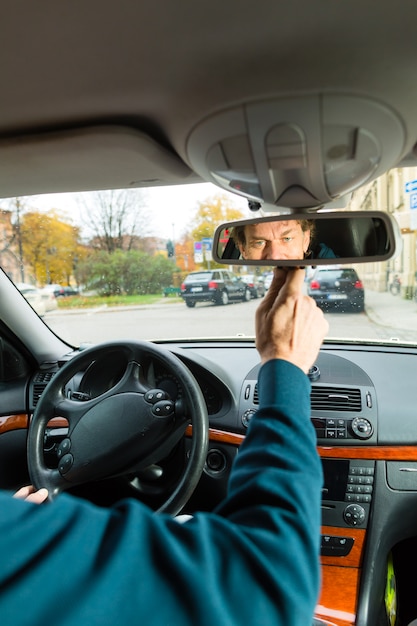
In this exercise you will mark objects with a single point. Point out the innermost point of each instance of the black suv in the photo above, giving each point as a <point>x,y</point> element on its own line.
<point>341,289</point>
<point>218,286</point>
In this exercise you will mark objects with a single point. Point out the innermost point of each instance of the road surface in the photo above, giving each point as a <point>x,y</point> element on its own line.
<point>173,319</point>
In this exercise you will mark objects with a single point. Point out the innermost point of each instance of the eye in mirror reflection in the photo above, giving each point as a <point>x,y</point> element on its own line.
<point>358,237</point>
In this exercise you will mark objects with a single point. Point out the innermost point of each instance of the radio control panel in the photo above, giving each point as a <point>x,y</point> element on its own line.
<point>347,492</point>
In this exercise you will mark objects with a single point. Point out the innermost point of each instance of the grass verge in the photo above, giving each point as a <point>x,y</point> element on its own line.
<point>81,302</point>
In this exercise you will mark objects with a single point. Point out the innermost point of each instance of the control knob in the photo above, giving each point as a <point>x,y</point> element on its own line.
<point>247,416</point>
<point>362,428</point>
<point>354,514</point>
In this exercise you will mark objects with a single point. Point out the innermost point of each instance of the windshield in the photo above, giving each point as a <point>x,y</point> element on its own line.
<point>116,264</point>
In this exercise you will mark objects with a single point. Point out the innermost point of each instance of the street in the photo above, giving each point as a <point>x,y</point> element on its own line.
<point>172,319</point>
<point>167,320</point>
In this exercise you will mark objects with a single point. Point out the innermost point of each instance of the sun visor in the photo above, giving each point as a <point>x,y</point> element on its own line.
<point>86,159</point>
<point>299,152</point>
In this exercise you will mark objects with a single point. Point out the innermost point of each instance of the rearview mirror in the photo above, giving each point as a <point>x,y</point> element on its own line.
<point>307,239</point>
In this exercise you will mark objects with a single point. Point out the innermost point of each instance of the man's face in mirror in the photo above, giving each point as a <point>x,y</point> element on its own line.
<point>276,240</point>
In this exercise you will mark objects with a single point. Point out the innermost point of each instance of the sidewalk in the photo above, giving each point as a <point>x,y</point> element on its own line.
<point>393,311</point>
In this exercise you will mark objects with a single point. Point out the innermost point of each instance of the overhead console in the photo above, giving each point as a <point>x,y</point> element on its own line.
<point>299,151</point>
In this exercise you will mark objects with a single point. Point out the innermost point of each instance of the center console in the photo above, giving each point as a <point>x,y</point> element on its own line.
<point>347,492</point>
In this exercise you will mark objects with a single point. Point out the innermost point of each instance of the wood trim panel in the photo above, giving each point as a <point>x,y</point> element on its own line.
<point>387,453</point>
<point>58,422</point>
<point>225,437</point>
<point>338,597</point>
<point>375,453</point>
<point>354,558</point>
<point>17,422</point>
<point>13,422</point>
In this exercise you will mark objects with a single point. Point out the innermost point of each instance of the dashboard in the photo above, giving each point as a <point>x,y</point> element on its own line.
<point>364,412</point>
<point>360,397</point>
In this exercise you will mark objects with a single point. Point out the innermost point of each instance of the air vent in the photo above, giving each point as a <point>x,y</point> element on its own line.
<point>39,383</point>
<point>335,399</point>
<point>330,398</point>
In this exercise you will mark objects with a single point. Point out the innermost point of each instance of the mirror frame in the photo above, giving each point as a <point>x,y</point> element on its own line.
<point>392,230</point>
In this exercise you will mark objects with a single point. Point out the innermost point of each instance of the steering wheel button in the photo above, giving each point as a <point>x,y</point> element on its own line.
<point>155,395</point>
<point>164,408</point>
<point>65,463</point>
<point>63,447</point>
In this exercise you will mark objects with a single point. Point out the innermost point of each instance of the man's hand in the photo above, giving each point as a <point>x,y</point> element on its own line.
<point>289,325</point>
<point>28,493</point>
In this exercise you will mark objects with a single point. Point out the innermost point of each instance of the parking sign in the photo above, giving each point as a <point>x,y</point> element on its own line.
<point>413,211</point>
<point>413,201</point>
<point>410,186</point>
<point>198,252</point>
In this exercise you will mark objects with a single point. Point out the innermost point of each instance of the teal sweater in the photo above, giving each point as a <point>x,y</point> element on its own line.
<point>251,562</point>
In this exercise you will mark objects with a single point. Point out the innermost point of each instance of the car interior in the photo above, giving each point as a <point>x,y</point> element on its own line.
<point>302,109</point>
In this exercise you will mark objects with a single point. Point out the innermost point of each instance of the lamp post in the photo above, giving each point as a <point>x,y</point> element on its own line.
<point>173,240</point>
<point>19,240</point>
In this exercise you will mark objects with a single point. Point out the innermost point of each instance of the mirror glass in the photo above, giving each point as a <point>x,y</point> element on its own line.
<point>307,239</point>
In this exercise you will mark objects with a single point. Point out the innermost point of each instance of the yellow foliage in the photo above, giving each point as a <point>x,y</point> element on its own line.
<point>210,214</point>
<point>50,246</point>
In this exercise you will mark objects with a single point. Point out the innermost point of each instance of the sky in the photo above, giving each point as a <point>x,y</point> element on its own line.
<point>170,208</point>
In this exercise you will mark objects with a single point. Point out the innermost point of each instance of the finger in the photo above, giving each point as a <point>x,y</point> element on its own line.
<point>24,492</point>
<point>37,497</point>
<point>294,281</point>
<point>288,282</point>
<point>280,276</point>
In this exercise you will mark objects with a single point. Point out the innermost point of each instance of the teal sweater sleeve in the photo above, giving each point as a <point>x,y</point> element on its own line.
<point>252,561</point>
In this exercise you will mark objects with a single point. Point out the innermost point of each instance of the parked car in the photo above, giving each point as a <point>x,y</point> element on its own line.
<point>40,300</point>
<point>55,289</point>
<point>61,291</point>
<point>255,284</point>
<point>69,291</point>
<point>339,288</point>
<point>217,286</point>
<point>268,280</point>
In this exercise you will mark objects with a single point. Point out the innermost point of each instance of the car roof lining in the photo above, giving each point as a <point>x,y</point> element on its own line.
<point>169,66</point>
<point>88,158</point>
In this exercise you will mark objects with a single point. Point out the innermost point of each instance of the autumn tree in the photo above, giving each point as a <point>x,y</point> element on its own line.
<point>116,218</point>
<point>184,254</point>
<point>210,214</point>
<point>50,246</point>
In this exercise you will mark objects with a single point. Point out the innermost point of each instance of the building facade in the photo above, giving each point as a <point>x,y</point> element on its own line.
<point>393,192</point>
<point>9,249</point>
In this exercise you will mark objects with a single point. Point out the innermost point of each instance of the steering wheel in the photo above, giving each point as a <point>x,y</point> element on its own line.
<point>126,428</point>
